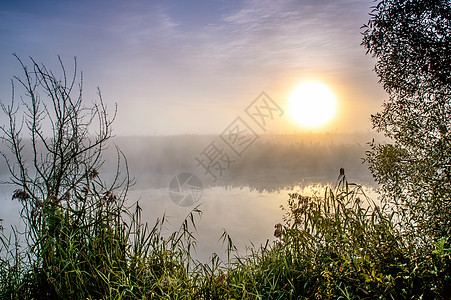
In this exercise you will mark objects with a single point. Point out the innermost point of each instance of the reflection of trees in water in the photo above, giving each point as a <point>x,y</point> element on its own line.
<point>273,163</point>
<point>276,183</point>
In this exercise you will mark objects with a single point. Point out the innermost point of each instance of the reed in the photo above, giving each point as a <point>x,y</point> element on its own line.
<point>339,245</point>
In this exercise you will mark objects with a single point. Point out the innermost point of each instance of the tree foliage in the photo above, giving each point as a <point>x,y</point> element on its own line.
<point>411,40</point>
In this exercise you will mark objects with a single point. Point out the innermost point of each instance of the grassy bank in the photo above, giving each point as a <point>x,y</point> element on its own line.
<point>339,245</point>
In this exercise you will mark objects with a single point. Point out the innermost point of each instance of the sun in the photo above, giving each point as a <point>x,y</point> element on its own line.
<point>312,104</point>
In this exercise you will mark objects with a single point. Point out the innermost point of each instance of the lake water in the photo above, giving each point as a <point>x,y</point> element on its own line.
<point>247,215</point>
<point>262,180</point>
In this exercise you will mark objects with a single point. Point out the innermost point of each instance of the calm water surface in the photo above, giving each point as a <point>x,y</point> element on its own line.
<point>247,215</point>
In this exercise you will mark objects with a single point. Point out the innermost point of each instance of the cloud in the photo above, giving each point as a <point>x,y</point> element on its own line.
<point>275,34</point>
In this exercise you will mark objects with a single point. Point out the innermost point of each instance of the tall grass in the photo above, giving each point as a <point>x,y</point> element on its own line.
<point>342,245</point>
<point>338,245</point>
<point>90,245</point>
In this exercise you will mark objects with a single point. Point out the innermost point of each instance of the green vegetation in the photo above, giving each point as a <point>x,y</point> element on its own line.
<point>337,246</point>
<point>341,246</point>
<point>411,41</point>
<point>81,241</point>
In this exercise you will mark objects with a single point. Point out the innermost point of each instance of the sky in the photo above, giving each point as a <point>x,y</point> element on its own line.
<point>192,67</point>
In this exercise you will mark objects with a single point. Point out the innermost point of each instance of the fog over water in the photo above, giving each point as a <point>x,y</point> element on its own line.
<point>245,199</point>
<point>272,163</point>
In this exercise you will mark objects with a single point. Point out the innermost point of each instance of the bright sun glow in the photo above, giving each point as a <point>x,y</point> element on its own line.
<point>311,104</point>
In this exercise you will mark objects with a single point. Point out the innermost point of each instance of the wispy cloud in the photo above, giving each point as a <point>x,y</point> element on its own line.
<point>268,33</point>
